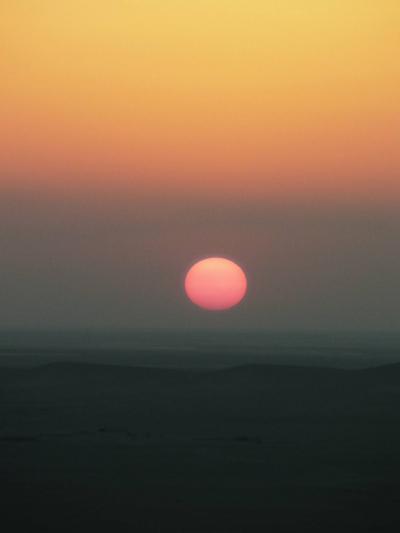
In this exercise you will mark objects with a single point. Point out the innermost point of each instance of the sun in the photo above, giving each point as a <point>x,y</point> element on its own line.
<point>215,284</point>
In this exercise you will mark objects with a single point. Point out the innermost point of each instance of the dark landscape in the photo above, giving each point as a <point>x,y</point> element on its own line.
<point>97,443</point>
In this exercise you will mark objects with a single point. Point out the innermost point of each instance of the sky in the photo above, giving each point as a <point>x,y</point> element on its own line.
<point>137,137</point>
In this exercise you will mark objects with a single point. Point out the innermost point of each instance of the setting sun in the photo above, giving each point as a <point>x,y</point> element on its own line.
<point>215,284</point>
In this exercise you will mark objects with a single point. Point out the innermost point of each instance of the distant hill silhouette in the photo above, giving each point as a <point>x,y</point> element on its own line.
<point>263,390</point>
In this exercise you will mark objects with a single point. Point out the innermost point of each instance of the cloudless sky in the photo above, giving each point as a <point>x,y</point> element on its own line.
<point>139,136</point>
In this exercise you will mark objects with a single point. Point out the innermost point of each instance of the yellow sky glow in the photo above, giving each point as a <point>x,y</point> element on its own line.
<point>276,98</point>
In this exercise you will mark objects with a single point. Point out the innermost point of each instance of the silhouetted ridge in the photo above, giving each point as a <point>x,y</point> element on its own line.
<point>382,370</point>
<point>251,373</point>
<point>88,371</point>
<point>261,375</point>
<point>277,370</point>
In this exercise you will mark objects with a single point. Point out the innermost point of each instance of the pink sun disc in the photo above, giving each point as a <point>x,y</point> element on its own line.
<point>215,284</point>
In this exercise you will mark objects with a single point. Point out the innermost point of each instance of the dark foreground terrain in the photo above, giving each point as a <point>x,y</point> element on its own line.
<point>95,447</point>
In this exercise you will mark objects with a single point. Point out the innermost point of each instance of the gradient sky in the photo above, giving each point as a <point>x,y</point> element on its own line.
<point>137,137</point>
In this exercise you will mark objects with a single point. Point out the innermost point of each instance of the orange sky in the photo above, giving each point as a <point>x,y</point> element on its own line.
<point>217,97</point>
